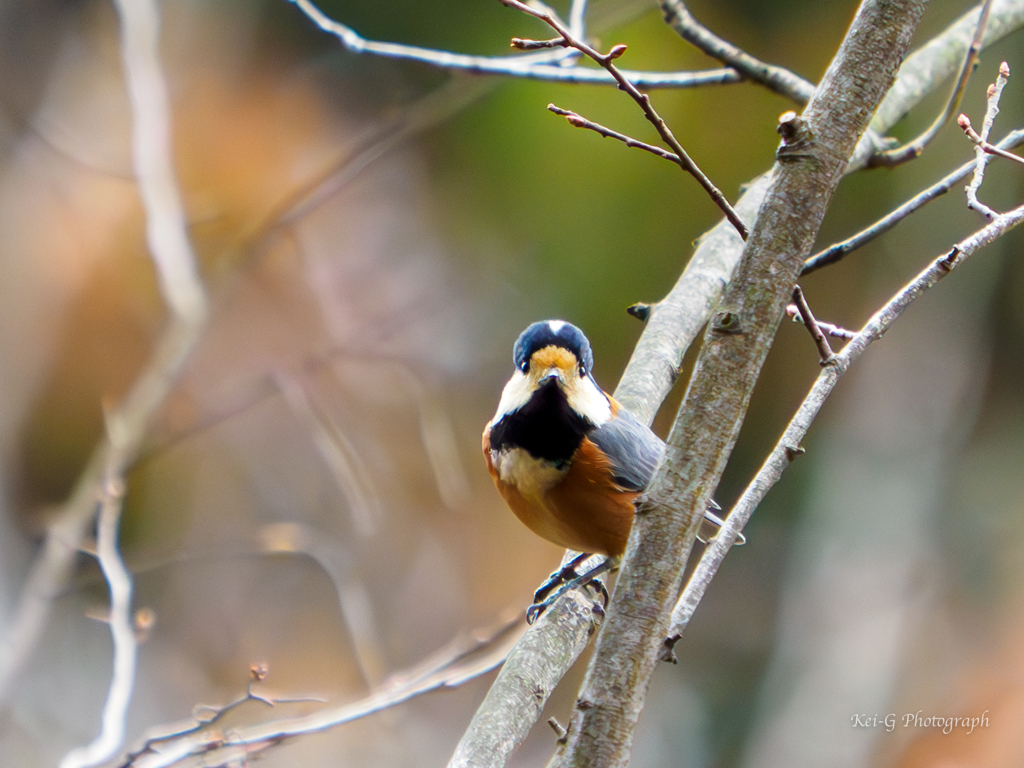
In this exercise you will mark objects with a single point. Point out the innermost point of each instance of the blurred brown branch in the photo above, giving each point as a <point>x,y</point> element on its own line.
<point>461,660</point>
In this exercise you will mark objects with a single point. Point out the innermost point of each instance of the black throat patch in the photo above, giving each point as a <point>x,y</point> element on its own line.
<point>546,427</point>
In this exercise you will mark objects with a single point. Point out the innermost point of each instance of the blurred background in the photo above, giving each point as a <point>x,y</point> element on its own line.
<point>374,235</point>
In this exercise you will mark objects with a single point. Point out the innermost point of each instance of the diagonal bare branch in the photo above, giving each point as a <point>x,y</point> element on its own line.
<point>607,61</point>
<point>912,149</point>
<point>773,77</point>
<point>788,446</point>
<point>840,250</point>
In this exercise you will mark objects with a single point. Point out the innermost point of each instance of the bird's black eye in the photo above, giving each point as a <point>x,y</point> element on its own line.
<point>524,366</point>
<point>583,371</point>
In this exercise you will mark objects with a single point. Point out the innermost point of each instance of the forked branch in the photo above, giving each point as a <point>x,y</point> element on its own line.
<point>607,61</point>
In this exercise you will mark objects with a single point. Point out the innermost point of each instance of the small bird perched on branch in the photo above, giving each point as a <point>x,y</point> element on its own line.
<point>568,459</point>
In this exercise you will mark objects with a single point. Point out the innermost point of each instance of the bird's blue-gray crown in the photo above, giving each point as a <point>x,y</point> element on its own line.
<point>547,333</point>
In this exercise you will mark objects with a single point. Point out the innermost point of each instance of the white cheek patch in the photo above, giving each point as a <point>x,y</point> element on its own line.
<point>531,476</point>
<point>587,400</point>
<point>516,394</point>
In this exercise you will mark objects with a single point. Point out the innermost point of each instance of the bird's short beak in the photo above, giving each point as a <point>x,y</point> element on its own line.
<point>552,373</point>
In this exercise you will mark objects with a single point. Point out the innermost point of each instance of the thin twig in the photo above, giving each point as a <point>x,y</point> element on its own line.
<point>547,65</point>
<point>579,121</point>
<point>981,156</point>
<point>838,251</point>
<point>912,149</point>
<point>991,149</point>
<point>807,318</point>
<point>178,275</point>
<point>788,446</point>
<point>607,61</point>
<point>835,331</point>
<point>204,716</point>
<point>775,78</point>
<point>122,629</point>
<point>338,454</point>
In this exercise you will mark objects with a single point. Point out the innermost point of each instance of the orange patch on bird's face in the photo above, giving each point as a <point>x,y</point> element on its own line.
<point>553,357</point>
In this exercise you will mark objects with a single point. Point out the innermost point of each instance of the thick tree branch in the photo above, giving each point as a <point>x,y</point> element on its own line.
<point>810,164</point>
<point>525,682</point>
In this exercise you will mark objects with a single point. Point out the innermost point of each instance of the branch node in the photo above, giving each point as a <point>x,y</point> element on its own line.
<point>794,451</point>
<point>640,311</point>
<point>807,318</point>
<point>727,322</point>
<point>559,729</point>
<point>795,136</point>
<point>258,672</point>
<point>947,262</point>
<point>790,127</point>
<point>668,649</point>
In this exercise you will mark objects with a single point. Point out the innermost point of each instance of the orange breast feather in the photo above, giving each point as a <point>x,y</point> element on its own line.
<point>587,511</point>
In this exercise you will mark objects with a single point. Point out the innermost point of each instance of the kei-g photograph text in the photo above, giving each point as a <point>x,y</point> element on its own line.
<point>920,720</point>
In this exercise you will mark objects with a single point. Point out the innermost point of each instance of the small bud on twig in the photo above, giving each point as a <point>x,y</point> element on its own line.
<point>559,730</point>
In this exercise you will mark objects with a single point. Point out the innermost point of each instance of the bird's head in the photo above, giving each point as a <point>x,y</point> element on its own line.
<point>554,353</point>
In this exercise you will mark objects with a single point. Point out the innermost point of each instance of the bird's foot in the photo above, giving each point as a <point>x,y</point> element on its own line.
<point>565,580</point>
<point>566,573</point>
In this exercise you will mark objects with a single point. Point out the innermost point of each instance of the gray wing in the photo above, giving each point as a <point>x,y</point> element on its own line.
<point>635,451</point>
